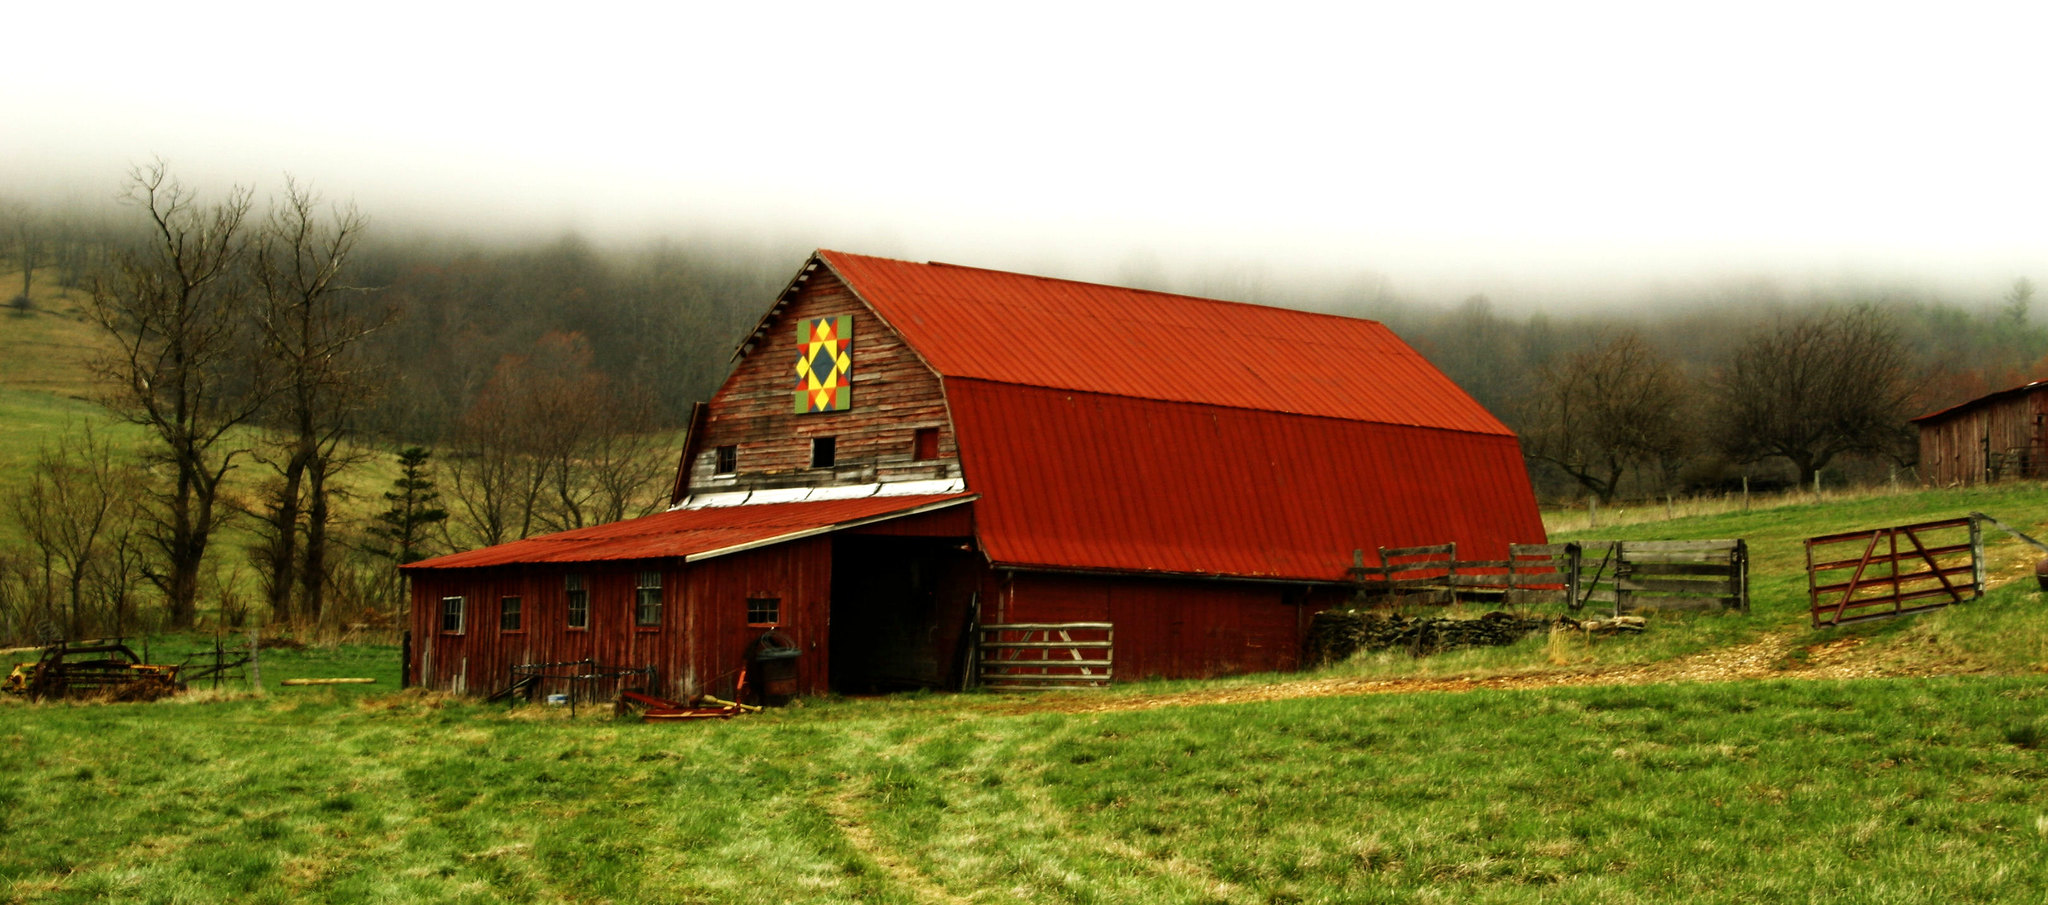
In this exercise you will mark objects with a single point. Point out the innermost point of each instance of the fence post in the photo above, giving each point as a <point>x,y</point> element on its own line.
<point>1571,580</point>
<point>1976,556</point>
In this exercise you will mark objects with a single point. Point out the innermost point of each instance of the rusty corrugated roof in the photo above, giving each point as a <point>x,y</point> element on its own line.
<point>1091,481</point>
<point>1985,399</point>
<point>1044,332</point>
<point>694,534</point>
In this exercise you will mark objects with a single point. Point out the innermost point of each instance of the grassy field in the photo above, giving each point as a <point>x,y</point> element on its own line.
<point>1919,788</point>
<point>1875,791</point>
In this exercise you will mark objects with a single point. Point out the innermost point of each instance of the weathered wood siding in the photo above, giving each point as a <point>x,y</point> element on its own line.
<point>700,645</point>
<point>894,395</point>
<point>1997,438</point>
<point>1172,628</point>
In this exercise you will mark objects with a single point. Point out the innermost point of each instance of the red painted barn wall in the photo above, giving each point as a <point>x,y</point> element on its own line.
<point>1173,628</point>
<point>894,394</point>
<point>699,646</point>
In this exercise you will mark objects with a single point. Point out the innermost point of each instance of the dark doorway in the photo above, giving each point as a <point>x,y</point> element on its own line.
<point>900,607</point>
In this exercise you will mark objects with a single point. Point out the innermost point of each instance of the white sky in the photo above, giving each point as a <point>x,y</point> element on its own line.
<point>1458,146</point>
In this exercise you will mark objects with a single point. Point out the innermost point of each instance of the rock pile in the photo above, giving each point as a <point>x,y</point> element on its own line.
<point>1337,634</point>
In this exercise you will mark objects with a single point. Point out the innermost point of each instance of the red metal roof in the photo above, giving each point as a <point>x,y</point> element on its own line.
<point>1037,331</point>
<point>1074,480</point>
<point>695,534</point>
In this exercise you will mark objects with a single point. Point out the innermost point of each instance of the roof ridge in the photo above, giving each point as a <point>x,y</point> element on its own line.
<point>1155,292</point>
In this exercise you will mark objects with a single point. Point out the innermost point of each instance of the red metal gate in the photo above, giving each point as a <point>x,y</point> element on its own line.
<point>1886,572</point>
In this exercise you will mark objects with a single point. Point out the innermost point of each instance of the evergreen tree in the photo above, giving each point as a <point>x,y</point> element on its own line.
<point>415,505</point>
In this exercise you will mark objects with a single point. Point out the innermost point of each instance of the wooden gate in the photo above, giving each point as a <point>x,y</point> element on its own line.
<point>1034,655</point>
<point>1886,572</point>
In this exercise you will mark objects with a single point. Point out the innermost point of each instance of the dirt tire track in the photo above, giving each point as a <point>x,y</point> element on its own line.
<point>844,810</point>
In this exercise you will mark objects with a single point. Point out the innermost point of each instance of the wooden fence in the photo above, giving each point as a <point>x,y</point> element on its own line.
<point>1887,572</point>
<point>1626,575</point>
<point>1034,655</point>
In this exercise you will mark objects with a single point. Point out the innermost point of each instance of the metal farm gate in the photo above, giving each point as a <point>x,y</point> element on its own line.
<point>1886,572</point>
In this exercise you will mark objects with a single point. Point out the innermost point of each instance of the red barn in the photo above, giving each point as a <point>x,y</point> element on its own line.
<point>903,449</point>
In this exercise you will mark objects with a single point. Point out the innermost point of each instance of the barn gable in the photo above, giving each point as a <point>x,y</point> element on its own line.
<point>890,433</point>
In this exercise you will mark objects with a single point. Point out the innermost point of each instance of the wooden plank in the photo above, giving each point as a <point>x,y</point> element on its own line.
<point>1676,546</point>
<point>1637,604</point>
<point>1677,556</point>
<point>1044,663</point>
<point>1042,644</point>
<point>1666,569</point>
<point>1723,587</point>
<point>1047,626</point>
<point>1036,678</point>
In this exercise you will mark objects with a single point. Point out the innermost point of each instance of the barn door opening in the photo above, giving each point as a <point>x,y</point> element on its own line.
<point>899,612</point>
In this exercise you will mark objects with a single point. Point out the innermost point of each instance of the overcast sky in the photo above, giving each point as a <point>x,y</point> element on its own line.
<point>1455,146</point>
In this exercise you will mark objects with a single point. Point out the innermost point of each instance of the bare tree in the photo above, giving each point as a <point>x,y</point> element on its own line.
<point>1814,388</point>
<point>311,335</point>
<point>1605,410</point>
<point>179,314</point>
<point>78,512</point>
<point>551,445</point>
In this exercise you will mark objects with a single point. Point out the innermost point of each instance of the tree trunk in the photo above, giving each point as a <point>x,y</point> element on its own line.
<point>282,556</point>
<point>313,575</point>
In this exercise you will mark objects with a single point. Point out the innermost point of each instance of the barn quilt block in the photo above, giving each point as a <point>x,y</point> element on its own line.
<point>824,365</point>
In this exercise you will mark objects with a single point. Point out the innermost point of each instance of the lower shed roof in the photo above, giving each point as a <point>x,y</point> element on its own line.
<point>695,534</point>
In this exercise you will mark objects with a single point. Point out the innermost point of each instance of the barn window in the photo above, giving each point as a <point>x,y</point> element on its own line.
<point>451,615</point>
<point>647,609</point>
<point>824,452</point>
<point>764,610</point>
<point>508,614</point>
<point>927,446</point>
<point>579,601</point>
<point>728,460</point>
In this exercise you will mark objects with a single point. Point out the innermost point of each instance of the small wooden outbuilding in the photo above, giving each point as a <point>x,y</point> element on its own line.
<point>1994,437</point>
<point>904,451</point>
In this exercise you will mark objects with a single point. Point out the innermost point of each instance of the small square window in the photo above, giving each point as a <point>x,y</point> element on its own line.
<point>579,601</point>
<point>647,600</point>
<point>451,615</point>
<point>764,610</point>
<point>926,447</point>
<point>508,614</point>
<point>727,460</point>
<point>824,452</point>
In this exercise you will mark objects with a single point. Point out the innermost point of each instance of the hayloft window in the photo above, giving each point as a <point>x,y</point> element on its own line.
<point>451,615</point>
<point>764,611</point>
<point>579,601</point>
<point>926,447</point>
<point>647,600</point>
<point>508,614</point>
<point>824,452</point>
<point>726,460</point>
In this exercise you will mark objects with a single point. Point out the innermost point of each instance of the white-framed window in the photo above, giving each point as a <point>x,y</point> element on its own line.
<point>647,600</point>
<point>451,615</point>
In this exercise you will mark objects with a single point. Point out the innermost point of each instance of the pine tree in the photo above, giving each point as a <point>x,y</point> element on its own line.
<point>415,505</point>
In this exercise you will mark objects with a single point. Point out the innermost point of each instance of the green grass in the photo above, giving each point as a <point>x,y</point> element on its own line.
<point>1873,791</point>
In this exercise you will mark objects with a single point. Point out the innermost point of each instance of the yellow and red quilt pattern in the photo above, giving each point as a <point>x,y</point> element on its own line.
<point>824,365</point>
